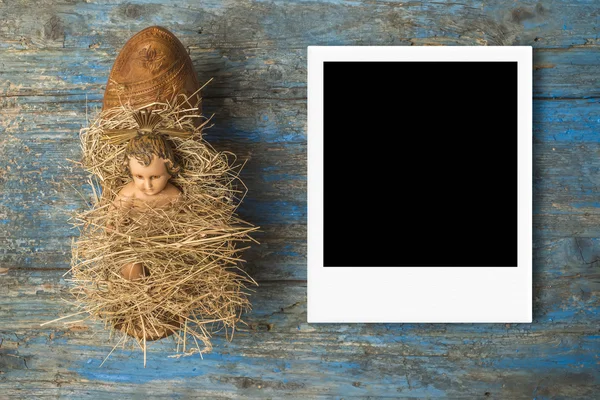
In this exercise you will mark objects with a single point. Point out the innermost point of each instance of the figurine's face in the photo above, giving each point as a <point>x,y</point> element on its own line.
<point>152,179</point>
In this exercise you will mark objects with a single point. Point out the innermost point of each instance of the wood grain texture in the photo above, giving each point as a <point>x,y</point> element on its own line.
<point>279,353</point>
<point>55,57</point>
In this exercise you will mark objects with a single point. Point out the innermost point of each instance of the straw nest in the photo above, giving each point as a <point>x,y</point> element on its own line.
<point>190,249</point>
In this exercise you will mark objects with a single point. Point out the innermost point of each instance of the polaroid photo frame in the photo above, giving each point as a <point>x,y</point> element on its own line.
<point>419,184</point>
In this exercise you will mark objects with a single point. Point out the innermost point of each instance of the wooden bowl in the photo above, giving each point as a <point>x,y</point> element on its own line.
<point>153,66</point>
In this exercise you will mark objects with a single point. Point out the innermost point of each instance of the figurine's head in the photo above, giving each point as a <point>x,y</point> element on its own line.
<point>149,160</point>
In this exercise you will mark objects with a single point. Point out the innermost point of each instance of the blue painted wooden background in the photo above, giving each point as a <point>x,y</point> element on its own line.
<point>55,57</point>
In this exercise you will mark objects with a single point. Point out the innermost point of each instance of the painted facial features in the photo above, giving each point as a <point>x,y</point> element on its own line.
<point>152,179</point>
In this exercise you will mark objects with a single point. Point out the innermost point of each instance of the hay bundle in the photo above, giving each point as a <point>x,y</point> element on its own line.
<point>189,250</point>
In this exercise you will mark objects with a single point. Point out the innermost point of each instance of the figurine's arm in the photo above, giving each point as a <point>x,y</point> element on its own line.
<point>122,200</point>
<point>169,196</point>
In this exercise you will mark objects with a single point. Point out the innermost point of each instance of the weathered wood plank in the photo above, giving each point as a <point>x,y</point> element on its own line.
<point>550,76</point>
<point>255,73</point>
<point>295,358</point>
<point>566,294</point>
<point>231,24</point>
<point>433,368</point>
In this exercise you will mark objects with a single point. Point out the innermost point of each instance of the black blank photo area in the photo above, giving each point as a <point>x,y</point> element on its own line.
<point>420,164</point>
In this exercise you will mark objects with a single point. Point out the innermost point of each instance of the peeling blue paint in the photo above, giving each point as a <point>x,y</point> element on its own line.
<point>591,204</point>
<point>567,362</point>
<point>284,177</point>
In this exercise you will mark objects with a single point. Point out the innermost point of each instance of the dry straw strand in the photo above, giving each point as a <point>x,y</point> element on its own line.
<point>190,250</point>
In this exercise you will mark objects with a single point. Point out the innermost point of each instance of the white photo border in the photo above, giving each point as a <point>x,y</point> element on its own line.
<point>417,294</point>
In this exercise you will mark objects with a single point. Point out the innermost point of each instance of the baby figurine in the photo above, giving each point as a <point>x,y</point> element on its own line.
<point>150,162</point>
